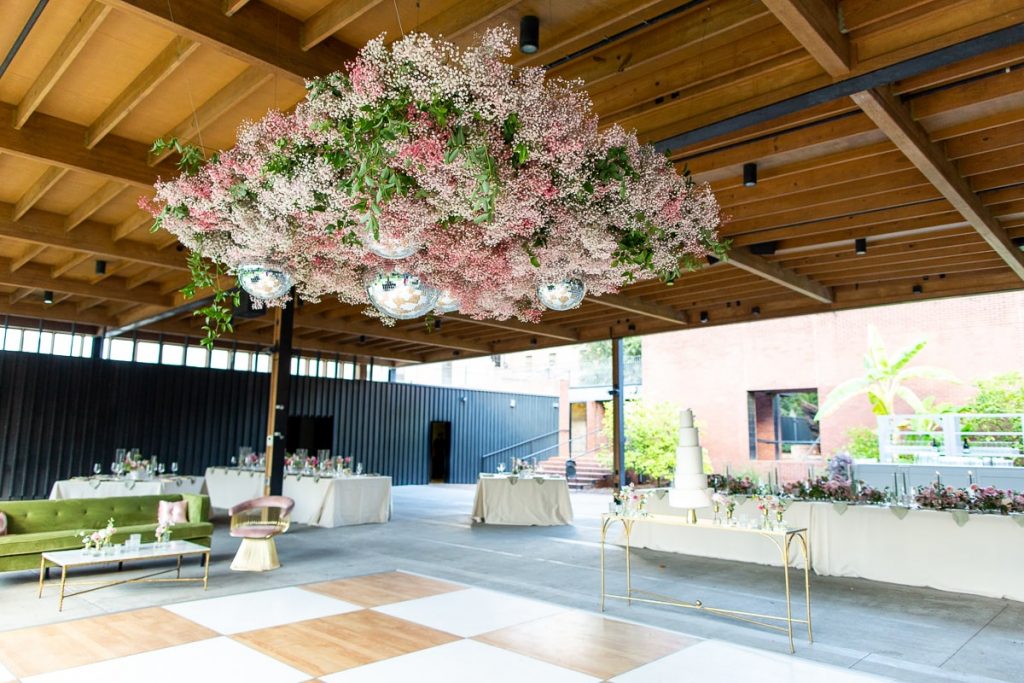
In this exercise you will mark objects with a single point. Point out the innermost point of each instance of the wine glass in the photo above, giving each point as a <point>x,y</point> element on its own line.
<point>359,469</point>
<point>97,469</point>
<point>115,468</point>
<point>161,468</point>
<point>501,468</point>
<point>174,467</point>
<point>234,461</point>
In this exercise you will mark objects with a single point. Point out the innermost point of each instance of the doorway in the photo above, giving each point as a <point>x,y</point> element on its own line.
<point>440,451</point>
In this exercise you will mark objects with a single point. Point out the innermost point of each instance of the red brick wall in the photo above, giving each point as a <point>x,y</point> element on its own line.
<point>711,369</point>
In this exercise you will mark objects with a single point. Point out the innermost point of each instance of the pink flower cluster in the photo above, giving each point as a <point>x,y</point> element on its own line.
<point>983,499</point>
<point>500,176</point>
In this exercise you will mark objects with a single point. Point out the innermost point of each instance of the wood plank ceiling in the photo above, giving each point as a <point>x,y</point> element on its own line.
<point>900,122</point>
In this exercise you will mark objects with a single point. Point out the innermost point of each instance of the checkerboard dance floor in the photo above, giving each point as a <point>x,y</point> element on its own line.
<point>380,628</point>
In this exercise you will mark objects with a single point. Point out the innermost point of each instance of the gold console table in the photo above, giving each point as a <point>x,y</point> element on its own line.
<point>782,538</point>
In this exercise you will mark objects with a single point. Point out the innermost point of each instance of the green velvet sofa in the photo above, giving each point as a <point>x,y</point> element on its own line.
<point>37,526</point>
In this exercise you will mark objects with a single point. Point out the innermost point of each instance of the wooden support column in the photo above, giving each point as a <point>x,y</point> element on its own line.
<point>280,395</point>
<point>618,411</point>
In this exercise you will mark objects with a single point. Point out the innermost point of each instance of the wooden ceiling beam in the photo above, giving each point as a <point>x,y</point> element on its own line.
<point>31,251</point>
<point>232,6</point>
<point>94,203</point>
<point>815,23</point>
<point>129,225</point>
<point>539,329</point>
<point>335,16</point>
<point>39,188</point>
<point>207,113</point>
<point>61,312</point>
<point>464,17</point>
<point>38,277</point>
<point>73,262</point>
<point>773,272</point>
<point>893,118</point>
<point>261,36</point>
<point>640,307</point>
<point>377,330</point>
<point>162,66</point>
<point>47,230</point>
<point>66,52</point>
<point>59,143</point>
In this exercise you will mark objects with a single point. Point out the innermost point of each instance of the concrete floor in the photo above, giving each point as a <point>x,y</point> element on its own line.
<point>909,634</point>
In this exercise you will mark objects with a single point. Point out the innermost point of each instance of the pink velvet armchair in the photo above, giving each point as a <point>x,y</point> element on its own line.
<point>256,522</point>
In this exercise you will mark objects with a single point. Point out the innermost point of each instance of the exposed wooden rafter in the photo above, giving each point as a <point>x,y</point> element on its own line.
<point>773,272</point>
<point>94,203</point>
<point>335,16</point>
<point>378,331</point>
<point>815,23</point>
<point>39,277</point>
<point>40,187</point>
<point>538,329</point>
<point>648,309</point>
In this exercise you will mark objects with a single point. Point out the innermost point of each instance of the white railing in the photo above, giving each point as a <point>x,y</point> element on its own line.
<point>952,438</point>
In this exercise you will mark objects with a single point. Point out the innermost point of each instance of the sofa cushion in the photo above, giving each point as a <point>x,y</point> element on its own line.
<point>172,512</point>
<point>22,544</point>
<point>29,516</point>
<point>3,524</point>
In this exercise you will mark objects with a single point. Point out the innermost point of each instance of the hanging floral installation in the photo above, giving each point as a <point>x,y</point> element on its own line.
<point>425,178</point>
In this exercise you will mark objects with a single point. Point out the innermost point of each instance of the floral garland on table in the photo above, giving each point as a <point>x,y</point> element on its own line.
<point>836,490</point>
<point>482,185</point>
<point>974,498</point>
<point>738,486</point>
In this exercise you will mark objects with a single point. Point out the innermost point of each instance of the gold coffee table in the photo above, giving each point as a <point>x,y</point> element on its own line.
<point>66,559</point>
<point>782,538</point>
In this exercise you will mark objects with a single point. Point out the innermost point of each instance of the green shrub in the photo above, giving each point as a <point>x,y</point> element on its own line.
<point>862,443</point>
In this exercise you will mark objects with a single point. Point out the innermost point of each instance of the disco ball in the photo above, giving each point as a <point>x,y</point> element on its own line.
<point>446,303</point>
<point>401,295</point>
<point>562,296</point>
<point>263,282</point>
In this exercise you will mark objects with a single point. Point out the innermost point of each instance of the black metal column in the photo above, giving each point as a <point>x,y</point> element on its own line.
<point>618,411</point>
<point>280,394</point>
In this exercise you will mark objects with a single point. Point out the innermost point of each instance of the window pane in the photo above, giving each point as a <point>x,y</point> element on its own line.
<point>242,359</point>
<point>173,354</point>
<point>61,344</point>
<point>196,356</point>
<point>121,349</point>
<point>380,373</point>
<point>220,359</point>
<point>147,352</point>
<point>46,342</point>
<point>86,342</point>
<point>328,368</point>
<point>13,340</point>
<point>30,341</point>
<point>76,344</point>
<point>263,362</point>
<point>295,366</point>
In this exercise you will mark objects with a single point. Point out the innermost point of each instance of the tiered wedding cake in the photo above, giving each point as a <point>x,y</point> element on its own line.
<point>690,489</point>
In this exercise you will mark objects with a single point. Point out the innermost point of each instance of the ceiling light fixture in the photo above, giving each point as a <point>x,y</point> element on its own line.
<point>47,297</point>
<point>101,267</point>
<point>529,34</point>
<point>704,316</point>
<point>749,174</point>
<point>860,246</point>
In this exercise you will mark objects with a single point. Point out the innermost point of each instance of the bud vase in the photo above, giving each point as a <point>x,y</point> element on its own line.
<point>778,517</point>
<point>716,508</point>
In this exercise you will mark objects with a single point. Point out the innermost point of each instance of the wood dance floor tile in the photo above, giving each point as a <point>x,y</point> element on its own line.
<point>41,649</point>
<point>336,643</point>
<point>588,643</point>
<point>383,589</point>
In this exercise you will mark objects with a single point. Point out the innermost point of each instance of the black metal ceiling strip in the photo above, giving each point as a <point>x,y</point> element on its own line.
<point>25,30</point>
<point>915,66</point>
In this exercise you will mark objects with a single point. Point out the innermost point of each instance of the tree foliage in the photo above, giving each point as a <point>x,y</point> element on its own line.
<point>884,379</point>
<point>651,437</point>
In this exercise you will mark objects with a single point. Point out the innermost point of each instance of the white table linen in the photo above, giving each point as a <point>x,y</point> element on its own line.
<point>229,486</point>
<point>536,501</point>
<point>925,548</point>
<point>342,501</point>
<point>105,488</point>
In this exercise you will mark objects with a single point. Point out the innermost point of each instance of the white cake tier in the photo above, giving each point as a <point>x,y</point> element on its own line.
<point>689,437</point>
<point>688,459</point>
<point>681,498</point>
<point>691,481</point>
<point>686,419</point>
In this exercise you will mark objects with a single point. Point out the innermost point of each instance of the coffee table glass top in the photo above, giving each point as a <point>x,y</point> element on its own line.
<point>144,551</point>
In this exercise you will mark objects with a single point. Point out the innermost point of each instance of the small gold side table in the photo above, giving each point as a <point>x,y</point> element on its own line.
<point>782,538</point>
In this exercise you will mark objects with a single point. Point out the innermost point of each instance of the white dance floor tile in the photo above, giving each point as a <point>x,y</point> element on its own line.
<point>5,675</point>
<point>215,659</point>
<point>251,611</point>
<point>464,661</point>
<point>707,660</point>
<point>470,612</point>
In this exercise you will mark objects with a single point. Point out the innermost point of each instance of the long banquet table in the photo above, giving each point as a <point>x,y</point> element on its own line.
<point>923,548</point>
<point>106,487</point>
<point>534,501</point>
<point>319,501</point>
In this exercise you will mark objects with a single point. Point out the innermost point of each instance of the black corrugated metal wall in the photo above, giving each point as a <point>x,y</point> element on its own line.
<point>59,415</point>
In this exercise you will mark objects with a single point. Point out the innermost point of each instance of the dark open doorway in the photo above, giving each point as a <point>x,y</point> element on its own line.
<point>311,433</point>
<point>440,451</point>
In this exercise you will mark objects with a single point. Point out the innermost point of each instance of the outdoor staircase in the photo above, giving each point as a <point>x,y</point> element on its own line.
<point>588,470</point>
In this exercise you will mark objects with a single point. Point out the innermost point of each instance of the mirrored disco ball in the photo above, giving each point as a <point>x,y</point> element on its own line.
<point>263,282</point>
<point>562,296</point>
<point>446,303</point>
<point>401,295</point>
<point>390,246</point>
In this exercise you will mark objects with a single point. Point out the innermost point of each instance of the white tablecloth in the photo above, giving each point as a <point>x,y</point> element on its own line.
<point>339,502</point>
<point>925,548</point>
<point>229,486</point>
<point>105,488</point>
<point>540,501</point>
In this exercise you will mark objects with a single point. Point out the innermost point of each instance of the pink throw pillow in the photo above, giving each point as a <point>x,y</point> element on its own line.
<point>172,513</point>
<point>3,524</point>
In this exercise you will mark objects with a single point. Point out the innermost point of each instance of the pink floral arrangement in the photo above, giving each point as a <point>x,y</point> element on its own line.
<point>943,498</point>
<point>489,180</point>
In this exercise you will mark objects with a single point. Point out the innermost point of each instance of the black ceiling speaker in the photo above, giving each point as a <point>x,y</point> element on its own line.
<point>245,308</point>
<point>47,297</point>
<point>529,34</point>
<point>860,246</point>
<point>750,174</point>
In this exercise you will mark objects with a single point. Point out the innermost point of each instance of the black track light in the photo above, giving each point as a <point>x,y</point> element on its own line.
<point>756,311</point>
<point>860,246</point>
<point>631,327</point>
<point>101,267</point>
<point>529,34</point>
<point>918,289</point>
<point>704,316</point>
<point>47,297</point>
<point>533,341</point>
<point>749,174</point>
